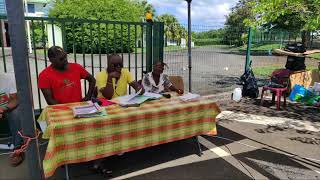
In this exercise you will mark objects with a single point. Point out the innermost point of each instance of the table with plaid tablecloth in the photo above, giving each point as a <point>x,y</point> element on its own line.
<point>75,140</point>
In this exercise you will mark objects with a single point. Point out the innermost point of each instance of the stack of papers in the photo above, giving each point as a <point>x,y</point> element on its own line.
<point>86,111</point>
<point>136,99</point>
<point>190,97</point>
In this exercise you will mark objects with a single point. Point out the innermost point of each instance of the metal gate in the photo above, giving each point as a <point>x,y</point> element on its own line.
<point>87,42</point>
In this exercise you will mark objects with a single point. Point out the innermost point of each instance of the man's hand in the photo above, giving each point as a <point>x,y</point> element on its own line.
<point>142,90</point>
<point>179,91</point>
<point>115,74</point>
<point>86,99</point>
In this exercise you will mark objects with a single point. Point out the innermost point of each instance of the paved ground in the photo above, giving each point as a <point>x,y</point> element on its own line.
<point>242,150</point>
<point>214,70</point>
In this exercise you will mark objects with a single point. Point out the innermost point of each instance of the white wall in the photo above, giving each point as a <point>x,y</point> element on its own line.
<point>57,35</point>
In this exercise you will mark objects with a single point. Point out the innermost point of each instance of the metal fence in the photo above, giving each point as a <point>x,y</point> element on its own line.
<point>218,52</point>
<point>216,64</point>
<point>264,60</point>
<point>219,56</point>
<point>87,42</point>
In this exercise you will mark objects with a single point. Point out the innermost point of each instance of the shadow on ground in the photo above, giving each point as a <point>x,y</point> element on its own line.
<point>292,110</point>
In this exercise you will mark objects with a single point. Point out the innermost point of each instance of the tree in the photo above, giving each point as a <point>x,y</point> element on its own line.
<point>173,30</point>
<point>99,37</point>
<point>147,7</point>
<point>295,15</point>
<point>235,26</point>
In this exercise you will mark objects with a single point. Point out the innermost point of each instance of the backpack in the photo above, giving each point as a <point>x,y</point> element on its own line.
<point>249,84</point>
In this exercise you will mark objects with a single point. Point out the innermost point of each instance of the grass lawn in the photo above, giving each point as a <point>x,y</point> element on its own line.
<point>267,70</point>
<point>260,47</point>
<point>315,56</point>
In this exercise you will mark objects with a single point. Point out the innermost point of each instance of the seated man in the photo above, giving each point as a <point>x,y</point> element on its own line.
<point>61,81</point>
<point>157,82</point>
<point>8,111</point>
<point>113,81</point>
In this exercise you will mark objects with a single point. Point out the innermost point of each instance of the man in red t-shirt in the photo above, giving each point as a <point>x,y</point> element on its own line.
<point>61,82</point>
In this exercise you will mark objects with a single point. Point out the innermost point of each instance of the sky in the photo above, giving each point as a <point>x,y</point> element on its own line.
<point>203,12</point>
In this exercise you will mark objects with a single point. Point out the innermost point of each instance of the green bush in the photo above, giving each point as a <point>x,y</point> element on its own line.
<point>84,37</point>
<point>95,38</point>
<point>205,42</point>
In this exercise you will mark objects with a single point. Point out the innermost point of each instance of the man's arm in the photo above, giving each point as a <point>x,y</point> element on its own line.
<point>92,84</point>
<point>108,90</point>
<point>13,103</point>
<point>48,96</point>
<point>136,86</point>
<point>312,52</point>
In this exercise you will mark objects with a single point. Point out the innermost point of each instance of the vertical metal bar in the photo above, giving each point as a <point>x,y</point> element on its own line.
<point>189,45</point>
<point>92,41</point>
<point>66,167</point>
<point>35,60</point>
<point>53,36</point>
<point>74,44</point>
<point>83,53</point>
<point>149,47</point>
<point>155,43</point>
<point>114,38</point>
<point>135,53</point>
<point>129,49</point>
<point>161,40</point>
<point>142,37</point>
<point>2,48</point>
<point>99,47</point>
<point>44,42</point>
<point>121,42</point>
<point>248,50</point>
<point>64,39</point>
<point>107,39</point>
<point>18,41</point>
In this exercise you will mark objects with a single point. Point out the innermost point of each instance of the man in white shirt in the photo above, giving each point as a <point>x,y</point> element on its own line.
<point>9,112</point>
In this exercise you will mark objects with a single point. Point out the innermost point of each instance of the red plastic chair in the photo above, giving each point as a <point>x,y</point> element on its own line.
<point>283,76</point>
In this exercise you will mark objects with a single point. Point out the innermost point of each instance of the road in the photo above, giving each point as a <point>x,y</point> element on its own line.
<point>214,70</point>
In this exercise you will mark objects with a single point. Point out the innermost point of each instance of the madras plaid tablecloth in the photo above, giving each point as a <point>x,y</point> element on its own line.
<point>73,140</point>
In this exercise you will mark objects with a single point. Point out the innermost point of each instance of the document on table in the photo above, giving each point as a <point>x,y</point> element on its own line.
<point>136,99</point>
<point>91,110</point>
<point>190,97</point>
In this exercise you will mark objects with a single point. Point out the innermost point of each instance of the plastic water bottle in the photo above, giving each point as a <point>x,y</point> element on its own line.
<point>237,94</point>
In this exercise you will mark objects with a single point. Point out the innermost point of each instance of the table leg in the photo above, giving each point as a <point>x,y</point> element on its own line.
<point>67,172</point>
<point>199,146</point>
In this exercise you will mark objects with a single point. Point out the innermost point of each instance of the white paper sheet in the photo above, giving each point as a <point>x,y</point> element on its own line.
<point>189,97</point>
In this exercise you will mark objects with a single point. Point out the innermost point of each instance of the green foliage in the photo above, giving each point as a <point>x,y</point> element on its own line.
<point>95,36</point>
<point>173,30</point>
<point>103,38</point>
<point>209,34</point>
<point>293,14</point>
<point>206,42</point>
<point>37,36</point>
<point>239,13</point>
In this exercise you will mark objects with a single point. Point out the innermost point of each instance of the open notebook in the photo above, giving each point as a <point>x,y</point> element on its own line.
<point>86,111</point>
<point>136,99</point>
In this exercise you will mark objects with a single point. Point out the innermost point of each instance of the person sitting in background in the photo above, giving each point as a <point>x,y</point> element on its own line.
<point>113,81</point>
<point>9,112</point>
<point>61,82</point>
<point>157,82</point>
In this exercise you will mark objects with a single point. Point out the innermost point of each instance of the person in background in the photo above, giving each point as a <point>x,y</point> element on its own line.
<point>113,81</point>
<point>9,112</point>
<point>158,82</point>
<point>61,82</point>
